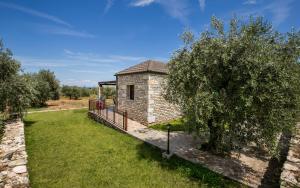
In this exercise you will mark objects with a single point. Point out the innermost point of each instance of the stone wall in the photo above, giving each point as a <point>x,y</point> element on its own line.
<point>13,157</point>
<point>148,105</point>
<point>159,110</point>
<point>290,176</point>
<point>137,108</point>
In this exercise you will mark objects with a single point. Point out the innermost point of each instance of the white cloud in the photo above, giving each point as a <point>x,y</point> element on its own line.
<point>178,9</point>
<point>279,10</point>
<point>35,13</point>
<point>41,62</point>
<point>85,67</point>
<point>88,71</point>
<point>109,4</point>
<point>90,57</point>
<point>250,2</point>
<point>202,5</point>
<point>78,82</point>
<point>142,3</point>
<point>65,31</point>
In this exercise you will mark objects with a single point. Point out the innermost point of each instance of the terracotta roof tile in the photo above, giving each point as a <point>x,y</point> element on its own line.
<point>147,66</point>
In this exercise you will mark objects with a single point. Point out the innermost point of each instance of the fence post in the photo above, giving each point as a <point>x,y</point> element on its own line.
<point>92,106</point>
<point>98,107</point>
<point>106,113</point>
<point>114,114</point>
<point>126,119</point>
<point>123,115</point>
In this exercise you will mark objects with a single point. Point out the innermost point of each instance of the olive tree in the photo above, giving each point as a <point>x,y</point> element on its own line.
<point>15,92</point>
<point>46,87</point>
<point>49,77</point>
<point>73,92</point>
<point>241,83</point>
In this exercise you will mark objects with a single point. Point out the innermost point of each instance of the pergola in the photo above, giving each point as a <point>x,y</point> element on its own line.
<point>105,83</point>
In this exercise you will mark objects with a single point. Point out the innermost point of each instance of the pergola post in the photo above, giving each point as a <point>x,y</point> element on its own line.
<point>104,83</point>
<point>100,91</point>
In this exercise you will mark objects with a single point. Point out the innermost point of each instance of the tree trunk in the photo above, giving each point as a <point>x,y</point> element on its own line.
<point>215,138</point>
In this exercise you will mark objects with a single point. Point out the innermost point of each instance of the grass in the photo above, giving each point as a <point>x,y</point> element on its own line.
<point>176,125</point>
<point>66,149</point>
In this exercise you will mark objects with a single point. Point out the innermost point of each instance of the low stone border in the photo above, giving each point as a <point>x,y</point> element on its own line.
<point>13,156</point>
<point>290,176</point>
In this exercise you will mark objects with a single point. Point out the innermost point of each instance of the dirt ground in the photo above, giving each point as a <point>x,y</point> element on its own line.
<point>66,103</point>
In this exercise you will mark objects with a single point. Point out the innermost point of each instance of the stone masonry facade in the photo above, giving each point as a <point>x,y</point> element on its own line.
<point>13,156</point>
<point>159,110</point>
<point>148,105</point>
<point>137,108</point>
<point>290,176</point>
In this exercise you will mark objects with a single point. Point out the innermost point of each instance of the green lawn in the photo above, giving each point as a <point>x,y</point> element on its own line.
<point>175,125</point>
<point>66,149</point>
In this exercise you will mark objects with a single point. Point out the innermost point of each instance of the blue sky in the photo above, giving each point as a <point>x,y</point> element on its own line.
<point>88,41</point>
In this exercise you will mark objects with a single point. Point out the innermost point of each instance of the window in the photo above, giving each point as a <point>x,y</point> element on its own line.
<point>130,92</point>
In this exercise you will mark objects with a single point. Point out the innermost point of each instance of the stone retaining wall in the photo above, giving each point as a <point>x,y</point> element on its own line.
<point>13,156</point>
<point>290,176</point>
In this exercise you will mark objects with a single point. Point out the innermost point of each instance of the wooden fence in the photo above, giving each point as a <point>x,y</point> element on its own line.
<point>108,115</point>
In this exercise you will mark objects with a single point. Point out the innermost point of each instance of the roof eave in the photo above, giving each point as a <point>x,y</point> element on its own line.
<point>139,72</point>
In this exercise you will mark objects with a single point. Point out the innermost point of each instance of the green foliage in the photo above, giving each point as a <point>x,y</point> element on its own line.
<point>67,91</point>
<point>175,125</point>
<point>75,92</point>
<point>15,92</point>
<point>85,92</point>
<point>109,92</point>
<point>46,87</point>
<point>241,84</point>
<point>49,77</point>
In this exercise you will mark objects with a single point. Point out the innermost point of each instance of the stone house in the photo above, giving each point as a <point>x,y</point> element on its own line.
<point>139,92</point>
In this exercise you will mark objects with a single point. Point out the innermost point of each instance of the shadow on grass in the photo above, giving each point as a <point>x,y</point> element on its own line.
<point>195,172</point>
<point>28,123</point>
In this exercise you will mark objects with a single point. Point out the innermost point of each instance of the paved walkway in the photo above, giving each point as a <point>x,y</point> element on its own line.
<point>244,168</point>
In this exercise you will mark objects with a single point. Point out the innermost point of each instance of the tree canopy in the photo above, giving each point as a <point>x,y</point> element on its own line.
<point>75,92</point>
<point>46,87</point>
<point>15,93</point>
<point>241,83</point>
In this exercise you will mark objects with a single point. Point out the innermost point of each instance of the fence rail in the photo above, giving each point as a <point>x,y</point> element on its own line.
<point>108,115</point>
